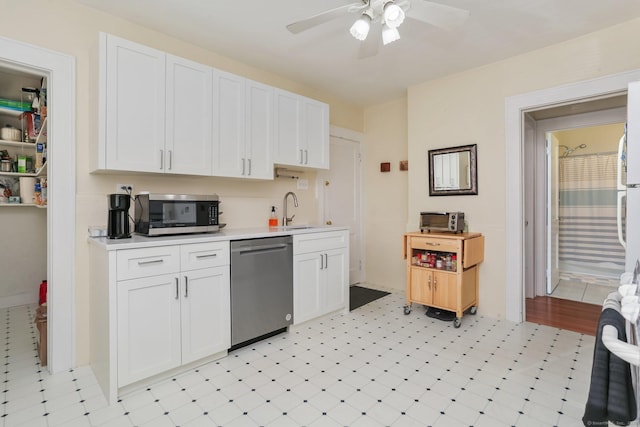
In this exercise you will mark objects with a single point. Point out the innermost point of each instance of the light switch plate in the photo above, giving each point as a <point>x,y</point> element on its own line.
<point>302,184</point>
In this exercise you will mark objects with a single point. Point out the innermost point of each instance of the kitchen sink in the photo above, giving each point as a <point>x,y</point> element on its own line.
<point>296,227</point>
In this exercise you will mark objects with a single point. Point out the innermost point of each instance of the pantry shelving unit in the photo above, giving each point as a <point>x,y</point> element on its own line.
<point>25,148</point>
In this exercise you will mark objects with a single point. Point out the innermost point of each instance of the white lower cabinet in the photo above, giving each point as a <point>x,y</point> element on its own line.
<point>205,313</point>
<point>148,327</point>
<point>171,320</point>
<point>320,274</point>
<point>166,306</point>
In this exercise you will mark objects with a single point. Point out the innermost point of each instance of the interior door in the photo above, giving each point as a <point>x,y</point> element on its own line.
<point>553,220</point>
<point>342,197</point>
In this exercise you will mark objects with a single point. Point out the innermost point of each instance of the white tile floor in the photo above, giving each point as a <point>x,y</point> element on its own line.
<point>577,290</point>
<point>371,367</point>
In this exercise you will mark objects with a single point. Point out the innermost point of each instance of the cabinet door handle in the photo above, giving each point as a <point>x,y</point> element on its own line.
<point>321,262</point>
<point>153,261</point>
<point>161,159</point>
<point>429,282</point>
<point>170,159</point>
<point>243,166</point>
<point>435,284</point>
<point>177,289</point>
<point>326,261</point>
<point>301,157</point>
<point>249,174</point>
<point>186,287</point>
<point>206,256</point>
<point>306,157</point>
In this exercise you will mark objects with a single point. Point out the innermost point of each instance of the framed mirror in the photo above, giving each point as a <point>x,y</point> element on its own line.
<point>453,171</point>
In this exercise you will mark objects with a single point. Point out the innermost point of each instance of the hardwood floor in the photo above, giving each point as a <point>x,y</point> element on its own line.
<point>564,314</point>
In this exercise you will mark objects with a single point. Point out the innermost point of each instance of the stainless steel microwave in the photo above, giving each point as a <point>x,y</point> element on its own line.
<point>442,221</point>
<point>163,214</point>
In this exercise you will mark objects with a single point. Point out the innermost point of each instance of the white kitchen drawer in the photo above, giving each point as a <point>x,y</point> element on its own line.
<point>314,242</point>
<point>204,255</point>
<point>145,262</point>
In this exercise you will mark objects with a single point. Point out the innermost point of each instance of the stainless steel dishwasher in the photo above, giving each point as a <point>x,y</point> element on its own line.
<point>261,288</point>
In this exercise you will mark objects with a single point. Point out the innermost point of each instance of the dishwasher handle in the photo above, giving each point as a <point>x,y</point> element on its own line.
<point>260,248</point>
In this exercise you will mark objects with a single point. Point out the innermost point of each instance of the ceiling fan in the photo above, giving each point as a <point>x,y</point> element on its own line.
<point>389,14</point>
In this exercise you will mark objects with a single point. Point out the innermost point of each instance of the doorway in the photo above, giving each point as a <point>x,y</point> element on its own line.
<point>586,257</point>
<point>340,194</point>
<point>61,241</point>
<point>571,208</point>
<point>516,108</point>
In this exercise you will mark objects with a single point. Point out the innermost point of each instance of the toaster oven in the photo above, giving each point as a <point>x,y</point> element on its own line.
<point>442,221</point>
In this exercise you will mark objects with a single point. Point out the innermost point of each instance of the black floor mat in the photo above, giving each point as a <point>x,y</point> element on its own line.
<point>359,296</point>
<point>439,314</point>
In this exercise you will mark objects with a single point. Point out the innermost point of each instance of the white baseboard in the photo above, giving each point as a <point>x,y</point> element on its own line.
<point>20,299</point>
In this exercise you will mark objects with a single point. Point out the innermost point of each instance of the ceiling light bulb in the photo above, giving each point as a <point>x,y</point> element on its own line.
<point>393,14</point>
<point>360,28</point>
<point>389,34</point>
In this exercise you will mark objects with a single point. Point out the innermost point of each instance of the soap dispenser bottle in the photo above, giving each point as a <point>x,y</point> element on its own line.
<point>273,219</point>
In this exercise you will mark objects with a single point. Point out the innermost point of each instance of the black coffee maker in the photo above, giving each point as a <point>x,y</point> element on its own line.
<point>118,227</point>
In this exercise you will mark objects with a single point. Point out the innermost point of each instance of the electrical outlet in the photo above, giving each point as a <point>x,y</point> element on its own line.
<point>124,188</point>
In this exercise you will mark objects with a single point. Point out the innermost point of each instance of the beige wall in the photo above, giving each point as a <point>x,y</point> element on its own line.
<point>599,139</point>
<point>385,206</point>
<point>469,108</point>
<point>66,27</point>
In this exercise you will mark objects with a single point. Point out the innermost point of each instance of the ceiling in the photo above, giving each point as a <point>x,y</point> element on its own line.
<point>327,57</point>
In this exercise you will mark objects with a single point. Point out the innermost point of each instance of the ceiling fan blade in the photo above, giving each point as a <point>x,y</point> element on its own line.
<point>369,47</point>
<point>439,15</point>
<point>326,16</point>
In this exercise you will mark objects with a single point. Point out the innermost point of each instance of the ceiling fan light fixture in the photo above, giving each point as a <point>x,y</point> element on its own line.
<point>393,14</point>
<point>360,28</point>
<point>389,34</point>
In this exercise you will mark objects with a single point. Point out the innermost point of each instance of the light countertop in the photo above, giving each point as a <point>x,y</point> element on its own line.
<point>141,241</point>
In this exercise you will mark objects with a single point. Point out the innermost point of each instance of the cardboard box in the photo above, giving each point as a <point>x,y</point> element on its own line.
<point>41,325</point>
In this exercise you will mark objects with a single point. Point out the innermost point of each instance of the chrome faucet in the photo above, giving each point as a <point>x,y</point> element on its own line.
<point>286,220</point>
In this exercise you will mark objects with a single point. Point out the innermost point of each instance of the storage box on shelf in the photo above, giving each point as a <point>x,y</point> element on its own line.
<point>442,271</point>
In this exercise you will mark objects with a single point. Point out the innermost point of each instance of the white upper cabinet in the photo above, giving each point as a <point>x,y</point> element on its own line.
<point>288,133</point>
<point>228,125</point>
<point>301,131</point>
<point>189,117</point>
<point>315,128</point>
<point>165,114</point>
<point>259,130</point>
<point>243,114</point>
<point>132,106</point>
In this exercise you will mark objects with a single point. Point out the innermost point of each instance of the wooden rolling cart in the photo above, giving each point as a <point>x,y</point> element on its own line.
<point>450,284</point>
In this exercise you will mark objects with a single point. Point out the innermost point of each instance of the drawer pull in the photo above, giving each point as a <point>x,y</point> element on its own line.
<point>432,244</point>
<point>154,261</point>
<point>206,256</point>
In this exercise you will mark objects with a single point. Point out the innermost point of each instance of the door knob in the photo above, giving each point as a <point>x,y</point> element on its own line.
<point>326,183</point>
<point>329,222</point>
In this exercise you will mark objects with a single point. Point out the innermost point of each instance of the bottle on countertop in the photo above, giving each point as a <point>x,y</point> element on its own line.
<point>273,219</point>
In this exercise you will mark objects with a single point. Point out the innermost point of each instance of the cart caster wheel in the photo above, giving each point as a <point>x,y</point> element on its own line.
<point>473,310</point>
<point>457,322</point>
<point>407,310</point>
